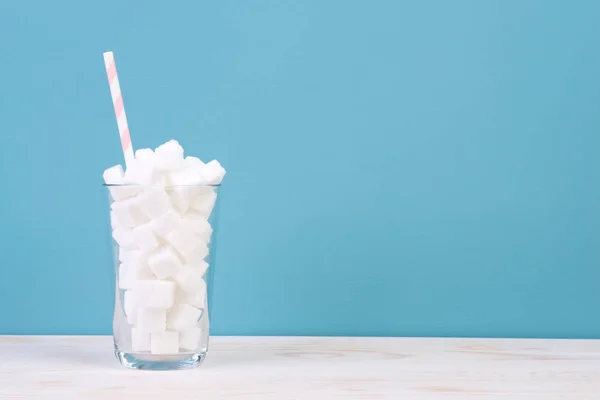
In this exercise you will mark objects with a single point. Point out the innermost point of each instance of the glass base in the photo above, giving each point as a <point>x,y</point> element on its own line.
<point>160,363</point>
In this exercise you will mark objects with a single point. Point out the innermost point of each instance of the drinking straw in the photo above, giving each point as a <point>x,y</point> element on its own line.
<point>117,99</point>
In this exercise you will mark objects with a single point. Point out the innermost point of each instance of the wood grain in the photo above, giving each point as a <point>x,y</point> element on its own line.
<point>83,367</point>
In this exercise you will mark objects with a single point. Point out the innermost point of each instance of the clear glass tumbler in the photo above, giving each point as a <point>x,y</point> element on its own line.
<point>164,253</point>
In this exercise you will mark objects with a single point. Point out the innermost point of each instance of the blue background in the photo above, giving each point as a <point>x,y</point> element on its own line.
<point>394,167</point>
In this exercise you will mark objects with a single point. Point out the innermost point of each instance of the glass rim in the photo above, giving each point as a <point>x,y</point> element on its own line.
<point>111,185</point>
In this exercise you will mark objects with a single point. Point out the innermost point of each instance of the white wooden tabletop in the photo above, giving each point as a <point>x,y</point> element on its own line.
<point>83,367</point>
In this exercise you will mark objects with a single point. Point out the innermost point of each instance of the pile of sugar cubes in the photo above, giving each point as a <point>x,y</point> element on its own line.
<point>159,218</point>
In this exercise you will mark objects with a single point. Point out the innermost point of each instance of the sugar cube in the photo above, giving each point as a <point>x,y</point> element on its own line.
<point>124,253</point>
<point>164,263</point>
<point>128,212</point>
<point>213,172</point>
<point>155,294</point>
<point>190,338</point>
<point>125,277</point>
<point>166,223</point>
<point>139,173</point>
<point>194,162</point>
<point>198,254</point>
<point>116,176</point>
<point>140,340</point>
<point>154,202</point>
<point>124,237</point>
<point>136,257</point>
<point>169,156</point>
<point>172,146</point>
<point>199,226</point>
<point>114,222</point>
<point>151,320</point>
<point>204,202</point>
<point>195,297</point>
<point>186,176</point>
<point>146,156</point>
<point>202,266</point>
<point>180,197</point>
<point>166,342</point>
<point>202,190</point>
<point>122,192</point>
<point>147,159</point>
<point>196,191</point>
<point>189,278</point>
<point>113,175</point>
<point>183,240</point>
<point>145,238</point>
<point>182,316</point>
<point>161,179</point>
<point>129,274</point>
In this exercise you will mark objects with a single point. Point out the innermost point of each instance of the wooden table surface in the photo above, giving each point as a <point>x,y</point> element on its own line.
<point>83,367</point>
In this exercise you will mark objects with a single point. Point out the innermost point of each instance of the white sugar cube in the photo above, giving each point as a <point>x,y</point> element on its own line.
<point>142,272</point>
<point>135,257</point>
<point>194,162</point>
<point>125,277</point>
<point>199,226</point>
<point>152,320</point>
<point>114,222</point>
<point>171,146</point>
<point>145,238</point>
<point>192,214</point>
<point>130,306</point>
<point>202,266</point>
<point>213,172</point>
<point>196,191</point>
<point>164,263</point>
<point>155,294</point>
<point>140,340</point>
<point>189,278</point>
<point>196,297</point>
<point>204,201</point>
<point>139,173</point>
<point>198,254</point>
<point>154,202</point>
<point>169,156</point>
<point>182,316</point>
<point>193,299</point>
<point>180,197</point>
<point>166,342</point>
<point>120,193</point>
<point>124,237</point>
<point>190,338</point>
<point>166,223</point>
<point>146,156</point>
<point>124,253</point>
<point>148,159</point>
<point>186,176</point>
<point>128,212</point>
<point>203,191</point>
<point>114,175</point>
<point>183,240</point>
<point>129,274</point>
<point>160,179</point>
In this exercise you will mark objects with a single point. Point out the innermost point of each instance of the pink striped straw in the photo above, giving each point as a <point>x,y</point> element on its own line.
<point>117,99</point>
